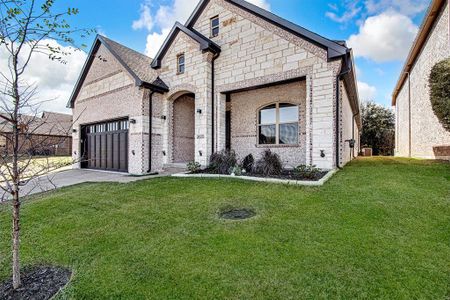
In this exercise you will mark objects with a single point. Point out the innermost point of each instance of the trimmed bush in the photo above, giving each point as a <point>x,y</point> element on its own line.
<point>236,170</point>
<point>307,172</point>
<point>248,162</point>
<point>269,164</point>
<point>440,92</point>
<point>193,167</point>
<point>221,162</point>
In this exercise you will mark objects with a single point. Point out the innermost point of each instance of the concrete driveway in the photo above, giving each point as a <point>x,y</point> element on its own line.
<point>72,177</point>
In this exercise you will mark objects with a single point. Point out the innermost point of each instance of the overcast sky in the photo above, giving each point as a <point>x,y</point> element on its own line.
<point>379,31</point>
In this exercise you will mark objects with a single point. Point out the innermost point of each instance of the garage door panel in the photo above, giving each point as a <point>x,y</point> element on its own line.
<point>107,146</point>
<point>123,150</point>
<point>116,164</point>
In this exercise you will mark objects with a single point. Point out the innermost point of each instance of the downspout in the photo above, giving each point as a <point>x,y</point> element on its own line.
<point>353,132</point>
<point>150,131</point>
<point>338,78</point>
<point>213,111</point>
<point>409,115</point>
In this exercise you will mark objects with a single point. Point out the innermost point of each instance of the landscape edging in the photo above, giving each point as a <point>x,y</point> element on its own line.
<point>319,182</point>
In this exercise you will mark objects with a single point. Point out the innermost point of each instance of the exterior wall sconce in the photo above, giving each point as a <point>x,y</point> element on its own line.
<point>164,153</point>
<point>74,130</point>
<point>200,153</point>
<point>163,118</point>
<point>133,121</point>
<point>199,111</point>
<point>322,153</point>
<point>351,143</point>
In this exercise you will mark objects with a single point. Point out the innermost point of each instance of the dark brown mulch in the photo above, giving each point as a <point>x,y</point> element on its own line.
<point>37,283</point>
<point>291,175</point>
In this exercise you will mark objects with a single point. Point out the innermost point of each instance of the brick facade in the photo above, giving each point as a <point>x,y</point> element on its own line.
<point>428,137</point>
<point>244,121</point>
<point>108,92</point>
<point>254,53</point>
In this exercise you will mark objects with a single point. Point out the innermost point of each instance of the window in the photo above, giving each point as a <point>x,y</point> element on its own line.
<point>180,61</point>
<point>278,124</point>
<point>109,126</point>
<point>215,26</point>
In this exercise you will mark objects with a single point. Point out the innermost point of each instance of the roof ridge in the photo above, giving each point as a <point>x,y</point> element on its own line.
<point>106,39</point>
<point>337,49</point>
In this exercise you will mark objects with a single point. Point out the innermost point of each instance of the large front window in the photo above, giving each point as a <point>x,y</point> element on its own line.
<point>278,124</point>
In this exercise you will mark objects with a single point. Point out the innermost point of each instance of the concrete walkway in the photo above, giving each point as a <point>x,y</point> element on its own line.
<point>76,176</point>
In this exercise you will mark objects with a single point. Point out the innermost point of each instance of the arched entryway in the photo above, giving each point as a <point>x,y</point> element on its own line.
<point>183,129</point>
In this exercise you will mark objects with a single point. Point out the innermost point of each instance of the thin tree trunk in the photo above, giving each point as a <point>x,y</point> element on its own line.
<point>16,238</point>
<point>15,182</point>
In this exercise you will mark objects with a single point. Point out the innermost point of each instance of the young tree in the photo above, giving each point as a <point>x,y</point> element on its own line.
<point>378,128</point>
<point>27,28</point>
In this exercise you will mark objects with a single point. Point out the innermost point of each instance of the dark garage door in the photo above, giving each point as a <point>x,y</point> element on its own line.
<point>105,146</point>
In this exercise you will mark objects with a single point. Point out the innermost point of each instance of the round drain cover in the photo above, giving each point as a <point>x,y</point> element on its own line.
<point>237,214</point>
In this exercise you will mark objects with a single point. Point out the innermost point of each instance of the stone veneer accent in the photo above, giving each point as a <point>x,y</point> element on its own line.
<point>108,92</point>
<point>244,121</point>
<point>428,136</point>
<point>254,52</point>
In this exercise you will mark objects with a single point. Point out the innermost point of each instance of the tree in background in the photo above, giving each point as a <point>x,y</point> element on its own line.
<point>27,28</point>
<point>378,128</point>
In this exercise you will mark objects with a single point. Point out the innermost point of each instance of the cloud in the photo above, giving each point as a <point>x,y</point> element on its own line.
<point>261,3</point>
<point>366,91</point>
<point>55,81</point>
<point>145,19</point>
<point>348,10</point>
<point>404,7</point>
<point>351,11</point>
<point>160,22</point>
<point>385,37</point>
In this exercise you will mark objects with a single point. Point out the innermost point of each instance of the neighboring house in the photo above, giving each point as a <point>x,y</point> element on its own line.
<point>418,131</point>
<point>49,134</point>
<point>233,77</point>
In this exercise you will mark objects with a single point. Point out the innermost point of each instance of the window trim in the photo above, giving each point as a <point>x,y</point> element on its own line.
<point>277,125</point>
<point>183,64</point>
<point>213,27</point>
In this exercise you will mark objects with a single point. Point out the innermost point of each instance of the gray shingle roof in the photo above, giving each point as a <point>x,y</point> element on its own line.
<point>138,63</point>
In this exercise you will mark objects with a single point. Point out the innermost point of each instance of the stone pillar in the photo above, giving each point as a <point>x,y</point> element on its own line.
<point>323,114</point>
<point>203,120</point>
<point>308,121</point>
<point>221,107</point>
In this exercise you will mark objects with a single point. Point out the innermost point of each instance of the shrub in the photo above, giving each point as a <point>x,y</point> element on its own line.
<point>269,164</point>
<point>236,170</point>
<point>307,172</point>
<point>193,167</point>
<point>248,162</point>
<point>221,162</point>
<point>440,92</point>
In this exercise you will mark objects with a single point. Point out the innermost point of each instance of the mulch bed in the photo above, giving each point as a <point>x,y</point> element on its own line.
<point>37,283</point>
<point>286,175</point>
<point>290,175</point>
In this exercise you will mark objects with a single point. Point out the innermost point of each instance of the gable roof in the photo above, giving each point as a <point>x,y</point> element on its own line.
<point>50,123</point>
<point>135,63</point>
<point>427,25</point>
<point>205,43</point>
<point>334,49</point>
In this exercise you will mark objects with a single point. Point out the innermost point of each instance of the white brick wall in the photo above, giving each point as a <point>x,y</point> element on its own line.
<point>426,131</point>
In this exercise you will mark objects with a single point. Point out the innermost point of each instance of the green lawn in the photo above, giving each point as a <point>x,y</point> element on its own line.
<point>378,229</point>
